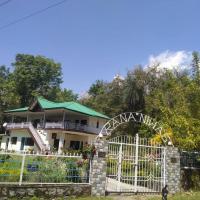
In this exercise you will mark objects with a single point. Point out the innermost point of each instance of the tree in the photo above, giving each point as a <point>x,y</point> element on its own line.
<point>97,88</point>
<point>106,97</point>
<point>196,66</point>
<point>8,96</point>
<point>170,102</point>
<point>61,95</point>
<point>35,75</point>
<point>134,89</point>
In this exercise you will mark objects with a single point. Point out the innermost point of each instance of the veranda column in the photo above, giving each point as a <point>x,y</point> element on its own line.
<point>172,168</point>
<point>98,168</point>
<point>61,143</point>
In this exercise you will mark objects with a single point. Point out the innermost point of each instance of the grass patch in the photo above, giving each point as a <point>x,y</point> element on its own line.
<point>181,196</point>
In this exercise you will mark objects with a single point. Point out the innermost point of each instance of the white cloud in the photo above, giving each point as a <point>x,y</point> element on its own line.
<point>179,60</point>
<point>84,95</point>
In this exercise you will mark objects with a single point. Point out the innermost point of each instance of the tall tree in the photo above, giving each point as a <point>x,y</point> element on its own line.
<point>196,66</point>
<point>134,89</point>
<point>61,95</point>
<point>8,96</point>
<point>35,75</point>
<point>97,88</point>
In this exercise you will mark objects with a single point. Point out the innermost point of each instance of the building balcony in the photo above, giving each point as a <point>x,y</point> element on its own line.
<point>70,126</point>
<point>21,125</point>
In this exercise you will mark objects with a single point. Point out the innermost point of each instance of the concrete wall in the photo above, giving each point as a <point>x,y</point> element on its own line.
<point>93,122</point>
<point>44,191</point>
<point>173,169</point>
<point>98,169</point>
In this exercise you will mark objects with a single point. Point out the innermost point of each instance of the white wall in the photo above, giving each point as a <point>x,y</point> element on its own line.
<point>16,147</point>
<point>47,139</point>
<point>85,138</point>
<point>93,122</point>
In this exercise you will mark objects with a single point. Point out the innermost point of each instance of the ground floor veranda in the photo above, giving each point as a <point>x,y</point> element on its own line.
<point>55,141</point>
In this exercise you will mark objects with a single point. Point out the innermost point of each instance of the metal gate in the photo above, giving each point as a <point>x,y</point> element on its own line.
<point>135,165</point>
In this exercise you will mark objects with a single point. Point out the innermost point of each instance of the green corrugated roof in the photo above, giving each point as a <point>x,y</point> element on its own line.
<point>73,106</point>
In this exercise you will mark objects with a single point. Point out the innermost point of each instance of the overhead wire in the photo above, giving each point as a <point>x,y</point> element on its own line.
<point>5,2</point>
<point>32,14</point>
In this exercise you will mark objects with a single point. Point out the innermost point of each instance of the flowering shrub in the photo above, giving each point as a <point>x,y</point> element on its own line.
<point>88,151</point>
<point>80,163</point>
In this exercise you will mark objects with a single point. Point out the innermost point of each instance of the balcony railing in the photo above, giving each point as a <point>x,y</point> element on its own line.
<point>57,125</point>
<point>72,126</point>
<point>17,125</point>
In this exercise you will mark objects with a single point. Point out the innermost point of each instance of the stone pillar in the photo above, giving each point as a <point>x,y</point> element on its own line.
<point>61,143</point>
<point>98,168</point>
<point>173,170</point>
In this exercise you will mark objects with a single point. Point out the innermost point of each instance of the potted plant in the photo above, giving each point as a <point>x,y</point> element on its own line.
<point>88,151</point>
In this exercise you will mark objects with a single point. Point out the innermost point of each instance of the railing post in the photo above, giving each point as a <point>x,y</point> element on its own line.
<point>99,166</point>
<point>22,169</point>
<point>164,170</point>
<point>136,163</point>
<point>90,170</point>
<point>119,168</point>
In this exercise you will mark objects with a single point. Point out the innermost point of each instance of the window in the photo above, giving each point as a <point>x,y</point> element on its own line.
<point>97,124</point>
<point>76,145</point>
<point>84,122</point>
<point>29,142</point>
<point>54,135</point>
<point>14,140</point>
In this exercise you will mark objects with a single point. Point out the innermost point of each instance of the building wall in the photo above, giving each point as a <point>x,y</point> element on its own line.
<point>85,138</point>
<point>16,147</point>
<point>47,139</point>
<point>93,122</point>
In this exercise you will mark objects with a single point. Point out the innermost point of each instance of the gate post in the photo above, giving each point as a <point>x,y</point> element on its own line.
<point>98,168</point>
<point>172,164</point>
<point>136,163</point>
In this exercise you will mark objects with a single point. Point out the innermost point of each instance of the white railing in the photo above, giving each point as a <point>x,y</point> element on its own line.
<point>17,125</point>
<point>43,169</point>
<point>72,126</point>
<point>37,137</point>
<point>135,165</point>
<point>81,127</point>
<point>57,125</point>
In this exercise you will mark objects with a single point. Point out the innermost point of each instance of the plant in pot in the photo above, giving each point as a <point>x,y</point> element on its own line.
<point>88,151</point>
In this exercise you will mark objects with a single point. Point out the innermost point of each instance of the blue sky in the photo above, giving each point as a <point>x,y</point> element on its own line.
<point>96,39</point>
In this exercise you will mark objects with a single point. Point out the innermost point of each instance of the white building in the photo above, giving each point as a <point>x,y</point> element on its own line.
<point>47,126</point>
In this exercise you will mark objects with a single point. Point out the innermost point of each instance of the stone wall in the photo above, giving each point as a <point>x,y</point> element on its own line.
<point>98,169</point>
<point>44,191</point>
<point>173,171</point>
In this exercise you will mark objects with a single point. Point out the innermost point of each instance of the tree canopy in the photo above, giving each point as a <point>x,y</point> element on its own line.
<point>169,96</point>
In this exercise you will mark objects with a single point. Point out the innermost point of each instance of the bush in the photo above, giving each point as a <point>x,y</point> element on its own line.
<point>10,167</point>
<point>47,169</point>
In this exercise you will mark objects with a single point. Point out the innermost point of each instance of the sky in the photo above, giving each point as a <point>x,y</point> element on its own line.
<point>97,39</point>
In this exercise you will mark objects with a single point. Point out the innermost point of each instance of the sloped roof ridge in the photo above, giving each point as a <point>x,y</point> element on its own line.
<point>86,107</point>
<point>42,98</point>
<point>70,105</point>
